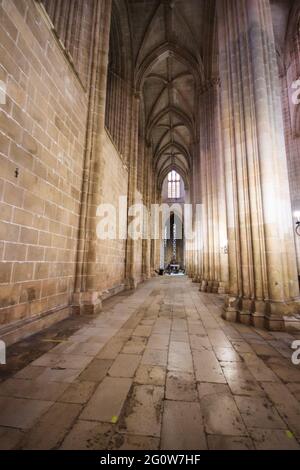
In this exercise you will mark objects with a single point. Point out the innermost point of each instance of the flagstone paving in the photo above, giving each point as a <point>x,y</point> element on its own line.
<point>157,369</point>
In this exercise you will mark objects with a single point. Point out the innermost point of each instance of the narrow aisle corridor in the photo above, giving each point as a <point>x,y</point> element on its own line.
<point>160,369</point>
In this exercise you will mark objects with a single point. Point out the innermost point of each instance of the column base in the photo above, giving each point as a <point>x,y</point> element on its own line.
<point>131,284</point>
<point>245,311</point>
<point>258,317</point>
<point>215,287</point>
<point>273,316</point>
<point>203,286</point>
<point>231,309</point>
<point>279,313</point>
<point>209,286</point>
<point>292,324</point>
<point>222,288</point>
<point>86,303</point>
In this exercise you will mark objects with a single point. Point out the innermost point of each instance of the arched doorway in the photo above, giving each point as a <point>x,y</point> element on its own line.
<point>173,243</point>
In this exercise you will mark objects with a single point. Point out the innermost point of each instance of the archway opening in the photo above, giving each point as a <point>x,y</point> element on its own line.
<point>173,242</point>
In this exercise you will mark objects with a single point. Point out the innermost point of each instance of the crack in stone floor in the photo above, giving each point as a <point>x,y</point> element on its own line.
<point>160,369</point>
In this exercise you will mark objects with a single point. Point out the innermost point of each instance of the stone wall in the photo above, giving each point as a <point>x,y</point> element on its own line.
<point>110,257</point>
<point>42,139</point>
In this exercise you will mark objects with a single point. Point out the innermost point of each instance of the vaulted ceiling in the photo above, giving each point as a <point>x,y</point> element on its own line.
<point>172,43</point>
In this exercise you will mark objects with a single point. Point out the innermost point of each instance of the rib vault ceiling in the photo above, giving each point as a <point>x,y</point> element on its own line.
<point>172,49</point>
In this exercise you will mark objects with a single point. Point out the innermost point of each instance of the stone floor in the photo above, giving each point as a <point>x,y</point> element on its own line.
<point>158,369</point>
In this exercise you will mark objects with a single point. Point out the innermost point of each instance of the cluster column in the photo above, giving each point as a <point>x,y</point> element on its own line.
<point>87,296</point>
<point>263,281</point>
<point>214,261</point>
<point>131,275</point>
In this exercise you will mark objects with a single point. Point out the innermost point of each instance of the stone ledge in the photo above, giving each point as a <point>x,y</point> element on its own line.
<point>113,291</point>
<point>292,324</point>
<point>22,329</point>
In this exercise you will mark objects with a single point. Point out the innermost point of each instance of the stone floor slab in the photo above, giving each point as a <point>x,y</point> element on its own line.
<point>142,414</point>
<point>125,365</point>
<point>96,370</point>
<point>130,442</point>
<point>182,427</point>
<point>78,392</point>
<point>158,342</point>
<point>21,413</point>
<point>155,357</point>
<point>229,443</point>
<point>259,413</point>
<point>207,367</point>
<point>107,402</point>
<point>34,389</point>
<point>10,438</point>
<point>150,375</point>
<point>287,406</point>
<point>51,429</point>
<point>221,415</point>
<point>181,386</point>
<point>88,435</point>
<point>273,439</point>
<point>135,345</point>
<point>227,355</point>
<point>180,357</point>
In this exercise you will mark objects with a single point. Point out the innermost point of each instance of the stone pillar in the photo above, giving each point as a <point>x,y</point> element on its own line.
<point>147,177</point>
<point>263,282</point>
<point>132,280</point>
<point>196,200</point>
<point>214,262</point>
<point>87,296</point>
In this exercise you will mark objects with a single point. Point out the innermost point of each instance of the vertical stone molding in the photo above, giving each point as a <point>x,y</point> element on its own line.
<point>263,282</point>
<point>87,297</point>
<point>289,61</point>
<point>132,280</point>
<point>215,270</point>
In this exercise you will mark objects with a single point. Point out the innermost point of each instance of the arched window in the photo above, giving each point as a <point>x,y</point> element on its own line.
<point>174,185</point>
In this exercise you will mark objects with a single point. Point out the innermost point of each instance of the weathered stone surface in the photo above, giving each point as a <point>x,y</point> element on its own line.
<point>52,427</point>
<point>96,370</point>
<point>180,357</point>
<point>181,386</point>
<point>273,439</point>
<point>125,365</point>
<point>135,345</point>
<point>229,443</point>
<point>143,411</point>
<point>107,402</point>
<point>150,375</point>
<point>34,389</point>
<point>155,357</point>
<point>158,342</point>
<point>259,413</point>
<point>129,442</point>
<point>221,415</point>
<point>207,367</point>
<point>180,397</point>
<point>21,413</point>
<point>9,438</point>
<point>88,435</point>
<point>182,427</point>
<point>78,392</point>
